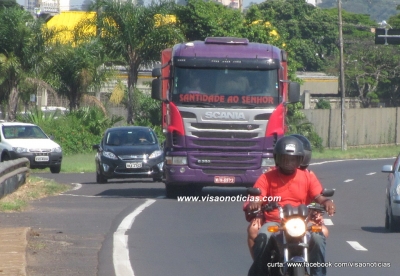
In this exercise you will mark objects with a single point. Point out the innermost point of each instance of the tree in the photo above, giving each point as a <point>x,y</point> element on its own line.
<point>134,35</point>
<point>371,65</point>
<point>310,33</point>
<point>200,19</point>
<point>19,51</point>
<point>78,68</point>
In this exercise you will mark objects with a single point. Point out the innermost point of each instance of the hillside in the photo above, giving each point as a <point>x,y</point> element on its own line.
<point>378,10</point>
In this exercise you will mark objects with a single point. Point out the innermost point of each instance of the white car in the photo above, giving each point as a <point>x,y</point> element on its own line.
<point>28,140</point>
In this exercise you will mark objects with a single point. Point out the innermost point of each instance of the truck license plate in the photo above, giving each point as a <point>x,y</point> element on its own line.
<point>41,158</point>
<point>224,179</point>
<point>134,165</point>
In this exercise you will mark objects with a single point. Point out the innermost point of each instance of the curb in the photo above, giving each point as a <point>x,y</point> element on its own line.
<point>13,245</point>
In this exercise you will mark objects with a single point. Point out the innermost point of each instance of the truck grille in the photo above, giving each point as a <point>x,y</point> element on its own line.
<point>218,161</point>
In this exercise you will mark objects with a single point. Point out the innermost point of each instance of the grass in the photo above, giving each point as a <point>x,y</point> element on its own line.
<point>34,188</point>
<point>358,153</point>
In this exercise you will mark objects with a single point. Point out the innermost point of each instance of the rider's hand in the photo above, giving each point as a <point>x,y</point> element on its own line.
<point>257,222</point>
<point>253,206</point>
<point>330,207</point>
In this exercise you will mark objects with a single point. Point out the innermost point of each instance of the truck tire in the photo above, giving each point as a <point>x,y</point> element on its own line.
<point>172,191</point>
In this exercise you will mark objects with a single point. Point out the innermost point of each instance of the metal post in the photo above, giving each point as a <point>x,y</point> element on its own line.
<point>341,89</point>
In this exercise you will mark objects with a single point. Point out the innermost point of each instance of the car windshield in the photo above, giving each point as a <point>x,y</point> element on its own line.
<point>221,86</point>
<point>130,137</point>
<point>23,132</point>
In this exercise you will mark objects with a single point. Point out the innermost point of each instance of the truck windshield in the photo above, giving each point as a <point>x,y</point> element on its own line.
<point>225,86</point>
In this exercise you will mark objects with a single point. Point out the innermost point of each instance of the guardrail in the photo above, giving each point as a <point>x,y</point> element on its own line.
<point>13,174</point>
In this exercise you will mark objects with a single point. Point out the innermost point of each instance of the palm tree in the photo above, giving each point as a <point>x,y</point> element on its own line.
<point>135,35</point>
<point>16,32</point>
<point>78,68</point>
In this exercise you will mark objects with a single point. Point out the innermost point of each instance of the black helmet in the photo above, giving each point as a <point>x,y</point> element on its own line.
<point>288,154</point>
<point>307,150</point>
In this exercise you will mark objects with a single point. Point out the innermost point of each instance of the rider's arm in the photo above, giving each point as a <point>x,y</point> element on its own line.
<point>316,189</point>
<point>330,207</point>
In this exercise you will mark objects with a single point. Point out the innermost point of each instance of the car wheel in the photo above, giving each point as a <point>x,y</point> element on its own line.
<point>5,157</point>
<point>387,223</point>
<point>393,222</point>
<point>157,179</point>
<point>100,178</point>
<point>55,169</point>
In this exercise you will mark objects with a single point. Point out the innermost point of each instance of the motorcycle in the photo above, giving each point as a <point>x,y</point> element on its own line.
<point>286,253</point>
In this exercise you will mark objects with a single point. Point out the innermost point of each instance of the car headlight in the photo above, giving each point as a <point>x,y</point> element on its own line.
<point>176,160</point>
<point>110,155</point>
<point>19,149</point>
<point>155,154</point>
<point>57,149</point>
<point>398,189</point>
<point>295,227</point>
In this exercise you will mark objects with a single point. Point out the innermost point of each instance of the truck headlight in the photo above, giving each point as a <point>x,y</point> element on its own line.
<point>176,160</point>
<point>267,162</point>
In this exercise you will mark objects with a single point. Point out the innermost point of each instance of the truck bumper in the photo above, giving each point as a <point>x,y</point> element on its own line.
<point>183,175</point>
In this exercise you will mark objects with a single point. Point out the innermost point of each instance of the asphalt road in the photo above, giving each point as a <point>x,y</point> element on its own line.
<point>76,231</point>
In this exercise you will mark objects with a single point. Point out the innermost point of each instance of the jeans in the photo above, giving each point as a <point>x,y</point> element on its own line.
<point>316,249</point>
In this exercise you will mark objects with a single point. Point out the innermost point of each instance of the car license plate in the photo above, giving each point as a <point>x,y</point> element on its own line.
<point>134,165</point>
<point>224,179</point>
<point>41,158</point>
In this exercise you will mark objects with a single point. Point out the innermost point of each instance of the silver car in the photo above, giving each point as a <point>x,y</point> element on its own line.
<point>392,202</point>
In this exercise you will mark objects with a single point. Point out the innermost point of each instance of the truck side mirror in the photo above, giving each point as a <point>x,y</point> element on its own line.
<point>293,92</point>
<point>156,89</point>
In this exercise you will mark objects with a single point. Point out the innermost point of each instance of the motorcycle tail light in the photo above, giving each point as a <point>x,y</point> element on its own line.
<point>273,228</point>
<point>316,228</point>
<point>295,227</point>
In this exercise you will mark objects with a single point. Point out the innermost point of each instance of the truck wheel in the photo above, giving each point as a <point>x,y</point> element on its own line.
<point>55,169</point>
<point>172,191</point>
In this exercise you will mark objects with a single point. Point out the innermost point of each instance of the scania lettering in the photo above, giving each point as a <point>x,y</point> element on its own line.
<point>223,108</point>
<point>225,115</point>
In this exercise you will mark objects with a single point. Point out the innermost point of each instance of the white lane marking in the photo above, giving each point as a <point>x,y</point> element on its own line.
<point>357,246</point>
<point>348,180</point>
<point>122,264</point>
<point>371,173</point>
<point>77,186</point>
<point>356,159</point>
<point>328,222</point>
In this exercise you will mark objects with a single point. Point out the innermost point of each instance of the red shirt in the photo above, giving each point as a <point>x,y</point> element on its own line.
<point>298,188</point>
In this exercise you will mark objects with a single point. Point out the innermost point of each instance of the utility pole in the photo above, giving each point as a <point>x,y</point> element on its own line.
<point>342,90</point>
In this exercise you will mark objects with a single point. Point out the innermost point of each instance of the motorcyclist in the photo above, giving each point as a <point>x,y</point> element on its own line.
<point>316,216</point>
<point>295,187</point>
<point>256,222</point>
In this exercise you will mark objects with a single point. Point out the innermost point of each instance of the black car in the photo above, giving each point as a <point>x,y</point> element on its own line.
<point>129,152</point>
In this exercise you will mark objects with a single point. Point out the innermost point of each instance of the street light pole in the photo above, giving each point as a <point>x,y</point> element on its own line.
<point>342,90</point>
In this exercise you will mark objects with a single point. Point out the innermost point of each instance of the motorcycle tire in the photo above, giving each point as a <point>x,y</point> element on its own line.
<point>299,271</point>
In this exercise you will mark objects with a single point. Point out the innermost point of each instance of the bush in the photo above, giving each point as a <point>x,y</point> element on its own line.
<point>297,124</point>
<point>323,104</point>
<point>75,131</point>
